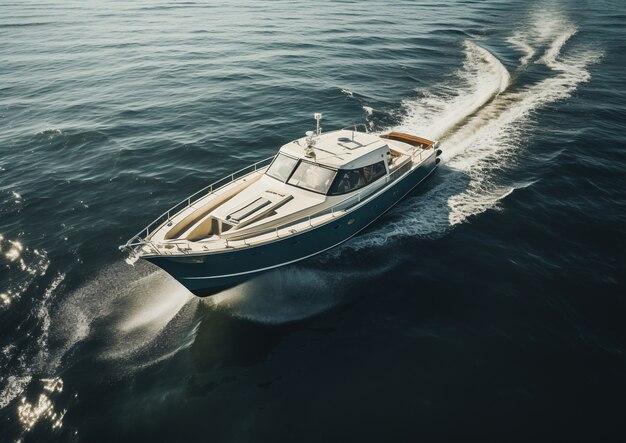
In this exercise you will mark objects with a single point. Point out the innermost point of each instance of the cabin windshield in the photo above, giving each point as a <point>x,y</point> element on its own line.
<point>282,167</point>
<point>312,177</point>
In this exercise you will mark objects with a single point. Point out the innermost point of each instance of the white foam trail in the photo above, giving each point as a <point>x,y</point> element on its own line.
<point>550,56</point>
<point>549,28</point>
<point>483,77</point>
<point>491,139</point>
<point>520,41</point>
<point>484,136</point>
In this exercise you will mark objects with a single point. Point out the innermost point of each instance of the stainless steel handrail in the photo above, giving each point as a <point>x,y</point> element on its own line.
<point>130,244</point>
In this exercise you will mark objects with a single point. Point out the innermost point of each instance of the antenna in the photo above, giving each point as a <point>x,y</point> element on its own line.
<point>318,116</point>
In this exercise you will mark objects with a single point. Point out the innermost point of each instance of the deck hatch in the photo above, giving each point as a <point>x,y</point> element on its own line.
<point>252,207</point>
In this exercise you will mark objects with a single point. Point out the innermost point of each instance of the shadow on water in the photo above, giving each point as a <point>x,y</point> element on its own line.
<point>223,340</point>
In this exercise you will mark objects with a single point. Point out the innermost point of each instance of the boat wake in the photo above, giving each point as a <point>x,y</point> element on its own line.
<point>284,295</point>
<point>482,119</point>
<point>128,326</point>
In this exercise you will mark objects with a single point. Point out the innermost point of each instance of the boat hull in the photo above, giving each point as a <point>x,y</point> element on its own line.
<point>208,274</point>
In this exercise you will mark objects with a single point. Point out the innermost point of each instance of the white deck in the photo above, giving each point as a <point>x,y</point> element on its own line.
<point>286,210</point>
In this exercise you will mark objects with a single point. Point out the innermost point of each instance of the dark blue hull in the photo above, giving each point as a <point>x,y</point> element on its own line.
<point>208,274</point>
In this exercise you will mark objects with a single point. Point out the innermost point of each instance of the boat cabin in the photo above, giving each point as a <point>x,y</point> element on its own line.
<point>336,163</point>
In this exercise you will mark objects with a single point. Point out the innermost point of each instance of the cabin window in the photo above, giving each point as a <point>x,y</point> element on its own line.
<point>282,167</point>
<point>312,177</point>
<point>349,180</point>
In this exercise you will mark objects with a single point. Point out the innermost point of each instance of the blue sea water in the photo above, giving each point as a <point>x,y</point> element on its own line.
<point>488,306</point>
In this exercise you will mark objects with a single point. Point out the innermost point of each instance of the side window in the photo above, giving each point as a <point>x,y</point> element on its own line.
<point>348,180</point>
<point>374,172</point>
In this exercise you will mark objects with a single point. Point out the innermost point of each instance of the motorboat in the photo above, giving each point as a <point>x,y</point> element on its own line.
<point>317,192</point>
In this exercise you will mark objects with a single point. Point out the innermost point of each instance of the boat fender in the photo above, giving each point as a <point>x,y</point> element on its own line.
<point>437,160</point>
<point>438,152</point>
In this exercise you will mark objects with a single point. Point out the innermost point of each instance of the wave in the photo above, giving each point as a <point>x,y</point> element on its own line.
<point>481,79</point>
<point>519,41</point>
<point>288,294</point>
<point>550,56</point>
<point>133,323</point>
<point>281,296</point>
<point>482,122</point>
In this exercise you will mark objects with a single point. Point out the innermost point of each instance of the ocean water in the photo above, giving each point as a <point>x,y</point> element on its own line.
<point>488,306</point>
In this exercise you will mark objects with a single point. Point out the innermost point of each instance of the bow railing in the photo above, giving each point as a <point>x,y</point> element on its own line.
<point>141,238</point>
